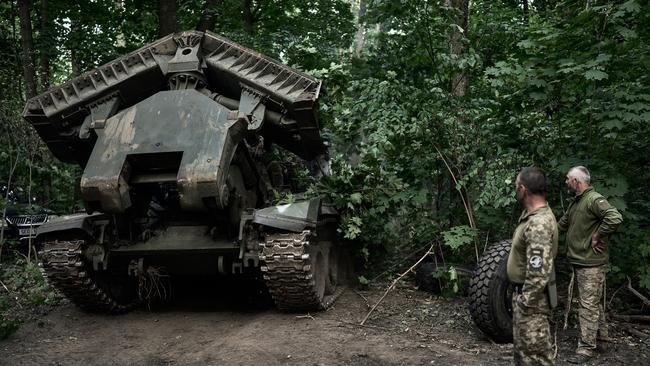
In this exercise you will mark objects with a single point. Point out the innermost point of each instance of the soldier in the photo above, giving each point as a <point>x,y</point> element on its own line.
<point>588,221</point>
<point>530,268</point>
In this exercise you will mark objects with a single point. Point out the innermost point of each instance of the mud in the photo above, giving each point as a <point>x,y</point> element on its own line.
<point>410,327</point>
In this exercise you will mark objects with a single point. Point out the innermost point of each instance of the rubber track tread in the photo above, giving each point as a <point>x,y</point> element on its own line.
<point>480,305</point>
<point>63,267</point>
<point>289,275</point>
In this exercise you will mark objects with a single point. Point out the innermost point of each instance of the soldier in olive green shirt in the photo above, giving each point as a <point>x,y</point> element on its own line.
<point>530,268</point>
<point>588,221</point>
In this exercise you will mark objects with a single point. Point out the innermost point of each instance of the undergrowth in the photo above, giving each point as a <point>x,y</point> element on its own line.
<point>24,293</point>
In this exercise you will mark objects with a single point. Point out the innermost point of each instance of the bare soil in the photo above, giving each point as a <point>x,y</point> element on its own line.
<point>212,326</point>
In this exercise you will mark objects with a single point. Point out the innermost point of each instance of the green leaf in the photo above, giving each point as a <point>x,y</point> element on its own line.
<point>538,82</point>
<point>613,124</point>
<point>421,197</point>
<point>364,281</point>
<point>595,75</point>
<point>631,6</point>
<point>527,43</point>
<point>627,33</point>
<point>458,236</point>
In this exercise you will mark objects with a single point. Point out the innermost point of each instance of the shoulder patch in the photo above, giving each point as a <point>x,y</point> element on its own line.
<point>536,259</point>
<point>602,204</point>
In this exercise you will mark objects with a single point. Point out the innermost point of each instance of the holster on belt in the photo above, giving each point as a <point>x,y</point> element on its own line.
<point>551,289</point>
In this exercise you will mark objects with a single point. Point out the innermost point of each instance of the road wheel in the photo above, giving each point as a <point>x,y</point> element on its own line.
<point>490,294</point>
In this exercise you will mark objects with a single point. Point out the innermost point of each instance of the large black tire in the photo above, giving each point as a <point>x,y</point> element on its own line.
<point>490,294</point>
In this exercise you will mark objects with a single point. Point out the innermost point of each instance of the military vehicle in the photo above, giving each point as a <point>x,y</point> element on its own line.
<point>175,141</point>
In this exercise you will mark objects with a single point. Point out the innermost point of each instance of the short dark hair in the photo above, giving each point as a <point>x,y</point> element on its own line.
<point>534,179</point>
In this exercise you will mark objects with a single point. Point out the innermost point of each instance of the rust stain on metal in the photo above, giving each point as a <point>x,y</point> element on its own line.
<point>122,131</point>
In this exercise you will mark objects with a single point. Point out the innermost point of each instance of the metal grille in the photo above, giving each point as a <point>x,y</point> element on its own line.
<point>27,219</point>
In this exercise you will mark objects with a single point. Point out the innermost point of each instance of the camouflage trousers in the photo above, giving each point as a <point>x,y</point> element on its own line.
<point>531,335</point>
<point>591,312</point>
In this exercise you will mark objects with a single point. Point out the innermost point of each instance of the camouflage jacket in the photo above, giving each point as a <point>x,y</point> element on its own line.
<point>586,214</point>
<point>530,263</point>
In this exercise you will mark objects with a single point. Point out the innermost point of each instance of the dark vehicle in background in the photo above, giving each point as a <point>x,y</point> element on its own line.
<point>21,219</point>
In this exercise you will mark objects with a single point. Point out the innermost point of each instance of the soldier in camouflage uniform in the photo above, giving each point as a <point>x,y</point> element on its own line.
<point>530,268</point>
<point>588,221</point>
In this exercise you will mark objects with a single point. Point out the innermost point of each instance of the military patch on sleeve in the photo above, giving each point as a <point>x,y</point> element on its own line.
<point>536,260</point>
<point>602,204</point>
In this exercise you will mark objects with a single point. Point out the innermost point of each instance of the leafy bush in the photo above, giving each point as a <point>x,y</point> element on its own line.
<point>23,293</point>
<point>414,164</point>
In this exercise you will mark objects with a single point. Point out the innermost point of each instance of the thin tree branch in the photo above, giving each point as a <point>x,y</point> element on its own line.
<point>453,176</point>
<point>637,293</point>
<point>392,285</point>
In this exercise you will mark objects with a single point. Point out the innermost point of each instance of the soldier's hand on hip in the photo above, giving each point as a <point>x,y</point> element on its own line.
<point>597,244</point>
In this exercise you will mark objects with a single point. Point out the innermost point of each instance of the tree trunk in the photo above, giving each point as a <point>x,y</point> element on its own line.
<point>75,44</point>
<point>16,52</point>
<point>526,10</point>
<point>47,188</point>
<point>359,38</point>
<point>46,44</point>
<point>458,44</point>
<point>27,43</point>
<point>12,168</point>
<point>249,20</point>
<point>209,16</point>
<point>167,17</point>
<point>46,51</point>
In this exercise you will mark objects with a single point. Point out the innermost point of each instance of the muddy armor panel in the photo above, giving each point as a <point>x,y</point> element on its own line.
<point>178,176</point>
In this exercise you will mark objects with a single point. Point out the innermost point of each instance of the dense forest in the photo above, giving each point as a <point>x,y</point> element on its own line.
<point>430,107</point>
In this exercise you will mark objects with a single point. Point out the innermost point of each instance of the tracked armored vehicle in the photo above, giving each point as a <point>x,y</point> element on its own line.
<point>175,143</point>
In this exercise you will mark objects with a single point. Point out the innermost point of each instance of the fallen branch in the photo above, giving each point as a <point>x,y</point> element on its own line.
<point>364,298</point>
<point>392,285</point>
<point>635,332</point>
<point>609,304</point>
<point>637,293</point>
<point>632,318</point>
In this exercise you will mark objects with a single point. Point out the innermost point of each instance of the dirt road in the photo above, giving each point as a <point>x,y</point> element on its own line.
<point>410,328</point>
